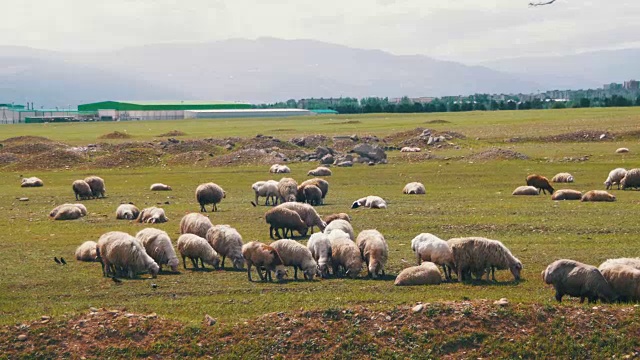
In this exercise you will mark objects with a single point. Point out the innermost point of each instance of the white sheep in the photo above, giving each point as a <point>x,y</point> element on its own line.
<point>410,149</point>
<point>414,188</point>
<point>87,251</point>
<point>371,202</point>
<point>320,171</point>
<point>81,207</point>
<point>320,248</point>
<point>477,255</point>
<point>195,223</point>
<point>152,215</point>
<point>573,278</point>
<point>82,190</point>
<point>313,195</point>
<point>374,250</point>
<point>633,262</point>
<point>566,194</point>
<point>285,219</point>
<point>562,178</point>
<point>345,255</point>
<point>209,193</point>
<point>267,189</point>
<point>197,248</point>
<point>287,190</point>
<point>631,180</point>
<point>263,256</point>
<point>343,225</point>
<point>426,273</point>
<point>160,187</point>
<point>431,248</point>
<point>526,190</point>
<point>307,213</point>
<point>279,169</point>
<point>97,186</point>
<point>622,150</point>
<point>157,244</point>
<point>624,280</point>
<point>297,255</point>
<point>67,212</point>
<point>227,241</point>
<point>615,176</point>
<point>127,212</point>
<point>121,251</point>
<point>31,182</point>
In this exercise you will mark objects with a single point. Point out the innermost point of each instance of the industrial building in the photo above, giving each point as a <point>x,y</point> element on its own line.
<point>244,113</point>
<point>15,114</point>
<point>154,110</point>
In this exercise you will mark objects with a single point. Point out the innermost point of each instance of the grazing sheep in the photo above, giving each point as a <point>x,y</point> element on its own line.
<point>622,150</point>
<point>279,169</point>
<point>121,251</point>
<point>127,212</point>
<point>343,225</point>
<point>576,279</point>
<point>320,183</point>
<point>209,193</point>
<point>287,190</point>
<point>431,248</point>
<point>633,262</point>
<point>195,247</point>
<point>82,190</point>
<point>615,176</point>
<point>414,188</point>
<point>297,255</point>
<point>83,209</point>
<point>313,195</point>
<point>426,273</point>
<point>87,251</point>
<point>631,180</point>
<point>345,255</point>
<point>307,213</point>
<point>562,178</point>
<point>267,189</point>
<point>195,223</point>
<point>67,212</point>
<point>97,185</point>
<point>566,194</point>
<point>410,149</point>
<point>477,255</point>
<point>624,280</point>
<point>374,250</point>
<point>263,256</point>
<point>227,241</point>
<point>540,182</point>
<point>160,187</point>
<point>31,182</point>
<point>598,195</point>
<point>152,215</point>
<point>526,190</point>
<point>344,216</point>
<point>158,245</point>
<point>320,248</point>
<point>320,171</point>
<point>285,219</point>
<point>371,202</point>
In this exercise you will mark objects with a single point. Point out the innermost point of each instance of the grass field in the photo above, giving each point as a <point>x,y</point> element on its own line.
<point>464,198</point>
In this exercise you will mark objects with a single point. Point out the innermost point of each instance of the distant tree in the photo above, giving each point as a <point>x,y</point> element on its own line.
<point>389,107</point>
<point>479,107</point>
<point>405,105</point>
<point>511,105</point>
<point>454,107</point>
<point>638,101</point>
<point>585,102</point>
<point>558,105</point>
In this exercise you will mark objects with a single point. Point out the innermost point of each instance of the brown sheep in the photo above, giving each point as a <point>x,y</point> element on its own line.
<point>540,182</point>
<point>567,194</point>
<point>598,195</point>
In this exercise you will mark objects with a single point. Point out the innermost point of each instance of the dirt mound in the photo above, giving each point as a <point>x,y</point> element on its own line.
<point>56,159</point>
<point>246,156</point>
<point>134,157</point>
<point>26,139</point>
<point>189,158</point>
<point>30,149</point>
<point>8,158</point>
<point>265,142</point>
<point>437,121</point>
<point>188,146</point>
<point>311,141</point>
<point>497,154</point>
<point>115,135</point>
<point>576,136</point>
<point>173,133</point>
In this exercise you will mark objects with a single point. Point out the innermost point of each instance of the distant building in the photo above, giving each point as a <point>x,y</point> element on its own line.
<point>631,85</point>
<point>328,102</point>
<point>155,110</point>
<point>421,100</point>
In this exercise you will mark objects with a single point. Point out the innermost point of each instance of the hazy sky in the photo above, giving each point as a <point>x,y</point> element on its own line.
<point>460,30</point>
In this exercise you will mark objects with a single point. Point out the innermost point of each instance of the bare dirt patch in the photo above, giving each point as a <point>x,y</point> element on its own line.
<point>173,133</point>
<point>246,156</point>
<point>437,121</point>
<point>133,157</point>
<point>115,135</point>
<point>26,139</point>
<point>189,158</point>
<point>30,148</point>
<point>55,159</point>
<point>8,158</point>
<point>497,154</point>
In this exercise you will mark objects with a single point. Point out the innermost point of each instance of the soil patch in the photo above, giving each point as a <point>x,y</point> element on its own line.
<point>26,139</point>
<point>497,154</point>
<point>29,149</point>
<point>115,135</point>
<point>187,146</point>
<point>189,158</point>
<point>311,141</point>
<point>246,156</point>
<point>576,136</point>
<point>348,122</point>
<point>437,121</point>
<point>8,158</point>
<point>173,133</point>
<point>55,159</point>
<point>133,157</point>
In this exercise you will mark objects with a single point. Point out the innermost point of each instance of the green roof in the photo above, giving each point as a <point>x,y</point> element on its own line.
<point>163,105</point>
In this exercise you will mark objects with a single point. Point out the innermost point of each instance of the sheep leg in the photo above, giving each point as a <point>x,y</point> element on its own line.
<point>493,273</point>
<point>418,259</point>
<point>184,263</point>
<point>271,232</point>
<point>259,269</point>
<point>194,261</point>
<point>201,263</point>
<point>202,208</point>
<point>581,299</point>
<point>249,271</point>
<point>223,257</point>
<point>295,272</point>
<point>214,208</point>
<point>444,269</point>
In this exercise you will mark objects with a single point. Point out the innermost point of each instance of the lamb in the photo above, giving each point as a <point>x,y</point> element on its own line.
<point>540,182</point>
<point>279,169</point>
<point>313,195</point>
<point>624,280</point>
<point>227,241</point>
<point>67,212</point>
<point>426,273</point>
<point>31,182</point>
<point>158,245</point>
<point>344,255</point>
<point>477,254</point>
<point>263,256</point>
<point>566,194</point>
<point>431,248</point>
<point>633,262</point>
<point>297,255</point>
<point>526,190</point>
<point>615,176</point>
<point>307,213</point>
<point>622,150</point>
<point>332,217</point>
<point>287,190</point>
<point>152,215</point>
<point>82,190</point>
<point>371,202</point>
<point>285,219</point>
<point>631,180</point>
<point>127,212</point>
<point>410,149</point>
<point>414,188</point>
<point>343,225</point>
<point>320,171</point>
<point>160,187</point>
<point>87,251</point>
<point>562,178</point>
<point>267,189</point>
<point>374,250</point>
<point>82,208</point>
<point>320,248</point>
<point>119,250</point>
<point>322,184</point>
<point>598,195</point>
<point>195,223</point>
<point>576,279</point>
<point>209,193</point>
<point>197,248</point>
<point>97,186</point>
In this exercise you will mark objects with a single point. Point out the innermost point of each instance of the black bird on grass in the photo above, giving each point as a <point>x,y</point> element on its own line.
<point>56,260</point>
<point>62,261</point>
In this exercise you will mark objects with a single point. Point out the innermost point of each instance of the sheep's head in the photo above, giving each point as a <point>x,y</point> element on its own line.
<point>516,268</point>
<point>608,184</point>
<point>215,262</point>
<point>623,183</point>
<point>303,230</point>
<point>355,205</point>
<point>323,271</point>
<point>154,269</point>
<point>238,263</point>
<point>173,263</point>
<point>281,272</point>
<point>224,194</point>
<point>310,272</point>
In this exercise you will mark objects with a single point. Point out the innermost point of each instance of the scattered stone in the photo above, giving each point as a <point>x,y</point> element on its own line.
<point>345,164</point>
<point>152,316</point>
<point>209,320</point>
<point>93,310</point>
<point>418,308</point>
<point>327,159</point>
<point>23,199</point>
<point>22,337</point>
<point>228,147</point>
<point>501,302</point>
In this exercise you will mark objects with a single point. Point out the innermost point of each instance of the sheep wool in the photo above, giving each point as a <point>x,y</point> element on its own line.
<point>31,182</point>
<point>97,186</point>
<point>540,182</point>
<point>562,178</point>
<point>598,195</point>
<point>320,247</point>
<point>195,223</point>
<point>631,180</point>
<point>82,208</point>
<point>426,273</point>
<point>67,212</point>
<point>281,218</point>
<point>87,251</point>
<point>343,216</point>
<point>127,212</point>
<point>624,280</point>
<point>633,262</point>
<point>477,255</point>
<point>371,202</point>
<point>227,241</point>
<point>122,251</point>
<point>267,189</point>
<point>313,195</point>
<point>160,187</point>
<point>576,279</point>
<point>209,193</point>
<point>82,190</point>
<point>279,169</point>
<point>297,255</point>
<point>374,250</point>
<point>343,225</point>
<point>414,188</point>
<point>152,215</point>
<point>566,194</point>
<point>322,184</point>
<point>346,259</point>
<point>307,213</point>
<point>287,189</point>
<point>263,256</point>
<point>526,190</point>
<point>614,178</point>
<point>197,248</point>
<point>430,248</point>
<point>320,171</point>
<point>158,245</point>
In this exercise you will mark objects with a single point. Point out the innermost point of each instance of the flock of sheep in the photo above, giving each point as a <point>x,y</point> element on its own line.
<point>336,251</point>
